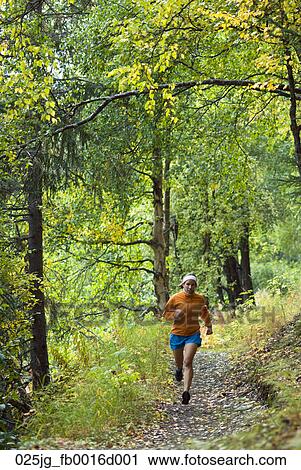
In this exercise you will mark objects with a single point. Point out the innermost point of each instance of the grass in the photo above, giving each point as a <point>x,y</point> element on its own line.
<point>252,326</point>
<point>276,378</point>
<point>108,390</point>
<point>266,347</point>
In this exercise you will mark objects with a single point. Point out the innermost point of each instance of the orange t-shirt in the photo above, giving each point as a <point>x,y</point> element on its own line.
<point>193,306</point>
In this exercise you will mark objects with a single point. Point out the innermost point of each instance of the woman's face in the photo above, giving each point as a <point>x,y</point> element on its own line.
<point>189,287</point>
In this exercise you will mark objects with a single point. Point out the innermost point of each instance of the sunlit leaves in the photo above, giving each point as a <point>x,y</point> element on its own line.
<point>27,68</point>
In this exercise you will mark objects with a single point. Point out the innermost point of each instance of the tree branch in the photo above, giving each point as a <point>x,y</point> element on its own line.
<point>123,266</point>
<point>136,242</point>
<point>281,90</point>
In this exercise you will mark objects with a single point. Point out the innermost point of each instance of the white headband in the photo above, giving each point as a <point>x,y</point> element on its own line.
<point>189,277</point>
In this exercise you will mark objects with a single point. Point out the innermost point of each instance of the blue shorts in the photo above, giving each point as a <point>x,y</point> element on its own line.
<point>178,342</point>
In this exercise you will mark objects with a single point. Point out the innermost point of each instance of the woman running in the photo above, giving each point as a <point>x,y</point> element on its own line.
<point>185,309</point>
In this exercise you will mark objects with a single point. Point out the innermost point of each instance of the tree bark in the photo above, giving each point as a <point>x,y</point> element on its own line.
<point>219,290</point>
<point>295,128</point>
<point>39,353</point>
<point>246,277</point>
<point>158,240</point>
<point>207,233</point>
<point>166,220</point>
<point>234,288</point>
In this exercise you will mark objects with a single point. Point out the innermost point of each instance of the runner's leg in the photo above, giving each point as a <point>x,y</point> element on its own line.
<point>178,355</point>
<point>189,353</point>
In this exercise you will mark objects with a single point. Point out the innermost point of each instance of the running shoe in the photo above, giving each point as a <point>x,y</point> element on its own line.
<point>179,375</point>
<point>185,397</point>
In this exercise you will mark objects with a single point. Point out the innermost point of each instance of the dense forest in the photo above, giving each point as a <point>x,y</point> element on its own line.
<point>141,140</point>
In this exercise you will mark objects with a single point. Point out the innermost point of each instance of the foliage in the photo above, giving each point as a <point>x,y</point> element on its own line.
<point>103,384</point>
<point>253,326</point>
<point>15,299</point>
<point>26,74</point>
<point>267,355</point>
<point>90,89</point>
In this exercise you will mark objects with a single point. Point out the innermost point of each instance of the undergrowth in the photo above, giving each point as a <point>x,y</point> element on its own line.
<point>251,326</point>
<point>105,387</point>
<point>265,346</point>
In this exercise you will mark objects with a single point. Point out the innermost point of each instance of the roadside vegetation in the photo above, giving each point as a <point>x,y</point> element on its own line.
<point>265,346</point>
<point>109,387</point>
<point>105,390</point>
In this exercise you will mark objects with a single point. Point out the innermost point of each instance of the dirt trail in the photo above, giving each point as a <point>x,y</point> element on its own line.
<point>220,404</point>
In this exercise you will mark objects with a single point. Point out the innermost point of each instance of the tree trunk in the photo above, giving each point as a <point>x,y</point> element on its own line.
<point>39,353</point>
<point>207,233</point>
<point>234,288</point>
<point>219,290</point>
<point>246,278</point>
<point>166,221</point>
<point>295,128</point>
<point>158,241</point>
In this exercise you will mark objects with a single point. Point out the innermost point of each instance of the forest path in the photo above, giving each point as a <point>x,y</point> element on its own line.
<point>221,404</point>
